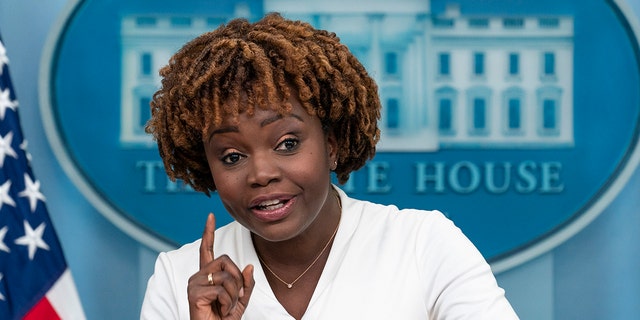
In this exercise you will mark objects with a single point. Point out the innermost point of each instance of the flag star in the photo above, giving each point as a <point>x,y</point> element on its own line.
<point>3,57</point>
<point>6,102</point>
<point>33,239</point>
<point>3,233</point>
<point>23,147</point>
<point>5,197</point>
<point>1,296</point>
<point>31,191</point>
<point>5,147</point>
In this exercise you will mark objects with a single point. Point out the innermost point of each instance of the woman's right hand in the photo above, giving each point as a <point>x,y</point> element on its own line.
<point>219,290</point>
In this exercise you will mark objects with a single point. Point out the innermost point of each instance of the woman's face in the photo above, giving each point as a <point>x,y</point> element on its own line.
<point>272,172</point>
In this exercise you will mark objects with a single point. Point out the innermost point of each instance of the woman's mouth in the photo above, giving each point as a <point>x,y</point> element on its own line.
<point>270,205</point>
<point>273,210</point>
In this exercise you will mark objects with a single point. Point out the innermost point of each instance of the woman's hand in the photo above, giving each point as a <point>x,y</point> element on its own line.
<point>219,290</point>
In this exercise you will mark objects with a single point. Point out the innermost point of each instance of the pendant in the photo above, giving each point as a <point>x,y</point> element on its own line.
<point>289,286</point>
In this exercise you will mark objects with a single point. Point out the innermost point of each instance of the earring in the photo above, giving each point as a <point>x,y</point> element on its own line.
<point>335,165</point>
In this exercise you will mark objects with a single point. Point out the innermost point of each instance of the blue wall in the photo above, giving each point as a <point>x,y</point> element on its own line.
<point>593,275</point>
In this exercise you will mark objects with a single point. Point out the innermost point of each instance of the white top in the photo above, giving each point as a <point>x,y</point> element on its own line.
<point>385,263</point>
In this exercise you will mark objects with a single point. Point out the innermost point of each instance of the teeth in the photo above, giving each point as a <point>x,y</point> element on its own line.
<point>270,205</point>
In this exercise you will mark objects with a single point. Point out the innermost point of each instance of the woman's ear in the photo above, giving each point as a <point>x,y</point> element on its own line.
<point>332,150</point>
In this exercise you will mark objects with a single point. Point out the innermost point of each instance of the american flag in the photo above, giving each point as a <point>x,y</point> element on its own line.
<point>35,282</point>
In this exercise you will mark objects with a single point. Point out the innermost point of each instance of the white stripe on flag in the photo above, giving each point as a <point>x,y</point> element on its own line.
<point>64,298</point>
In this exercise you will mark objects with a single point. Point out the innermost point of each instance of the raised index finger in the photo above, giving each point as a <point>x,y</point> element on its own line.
<point>206,246</point>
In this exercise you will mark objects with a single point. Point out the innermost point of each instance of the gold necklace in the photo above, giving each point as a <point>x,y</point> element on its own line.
<point>290,285</point>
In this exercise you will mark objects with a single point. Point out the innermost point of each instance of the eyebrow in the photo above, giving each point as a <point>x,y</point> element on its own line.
<point>264,123</point>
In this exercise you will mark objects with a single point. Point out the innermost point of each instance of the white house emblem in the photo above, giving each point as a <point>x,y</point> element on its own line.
<point>506,115</point>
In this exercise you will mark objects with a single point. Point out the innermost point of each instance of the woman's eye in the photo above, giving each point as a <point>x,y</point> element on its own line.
<point>287,145</point>
<point>231,158</point>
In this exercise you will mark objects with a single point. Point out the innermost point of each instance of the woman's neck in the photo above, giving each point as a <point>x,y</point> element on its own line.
<point>303,248</point>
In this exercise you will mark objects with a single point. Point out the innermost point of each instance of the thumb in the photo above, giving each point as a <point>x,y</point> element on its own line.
<point>247,285</point>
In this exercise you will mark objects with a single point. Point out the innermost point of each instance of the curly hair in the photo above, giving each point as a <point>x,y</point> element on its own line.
<point>241,65</point>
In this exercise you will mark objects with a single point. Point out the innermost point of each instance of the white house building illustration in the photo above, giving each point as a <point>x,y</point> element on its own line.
<point>446,80</point>
<point>148,42</point>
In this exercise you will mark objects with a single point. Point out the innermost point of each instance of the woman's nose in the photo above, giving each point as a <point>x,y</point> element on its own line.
<point>264,169</point>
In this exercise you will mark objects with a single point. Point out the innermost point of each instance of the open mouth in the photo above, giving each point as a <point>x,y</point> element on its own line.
<point>271,205</point>
<point>273,209</point>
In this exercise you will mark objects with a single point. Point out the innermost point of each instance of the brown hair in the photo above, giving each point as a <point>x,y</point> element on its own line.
<point>265,62</point>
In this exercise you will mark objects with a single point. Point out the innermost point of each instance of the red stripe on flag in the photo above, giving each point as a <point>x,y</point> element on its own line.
<point>43,310</point>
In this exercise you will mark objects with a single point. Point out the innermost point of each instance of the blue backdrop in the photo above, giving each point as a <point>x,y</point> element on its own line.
<point>593,275</point>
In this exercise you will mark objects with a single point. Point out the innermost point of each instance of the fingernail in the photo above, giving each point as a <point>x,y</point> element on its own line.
<point>241,292</point>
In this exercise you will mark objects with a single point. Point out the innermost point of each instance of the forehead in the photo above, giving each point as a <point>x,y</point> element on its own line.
<point>262,118</point>
<point>250,101</point>
<point>235,112</point>
<point>267,114</point>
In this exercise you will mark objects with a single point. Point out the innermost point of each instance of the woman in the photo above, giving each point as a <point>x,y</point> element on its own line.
<point>263,114</point>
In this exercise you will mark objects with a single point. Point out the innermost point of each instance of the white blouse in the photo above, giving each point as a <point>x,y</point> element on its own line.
<point>385,263</point>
